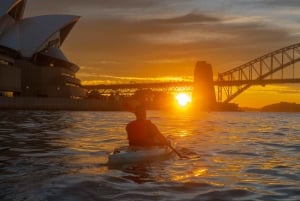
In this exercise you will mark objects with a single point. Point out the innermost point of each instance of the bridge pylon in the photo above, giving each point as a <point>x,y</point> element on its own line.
<point>203,92</point>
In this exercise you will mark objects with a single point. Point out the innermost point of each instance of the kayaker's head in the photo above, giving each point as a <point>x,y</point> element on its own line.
<point>140,112</point>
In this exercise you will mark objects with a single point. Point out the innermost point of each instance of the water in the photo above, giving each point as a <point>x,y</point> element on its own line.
<point>232,156</point>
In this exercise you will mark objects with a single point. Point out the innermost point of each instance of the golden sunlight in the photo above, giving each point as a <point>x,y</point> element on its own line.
<point>183,99</point>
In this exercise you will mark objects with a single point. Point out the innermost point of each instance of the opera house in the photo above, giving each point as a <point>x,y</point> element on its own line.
<point>34,72</point>
<point>31,61</point>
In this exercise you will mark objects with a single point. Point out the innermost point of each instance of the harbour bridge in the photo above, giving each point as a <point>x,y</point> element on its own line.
<point>277,67</point>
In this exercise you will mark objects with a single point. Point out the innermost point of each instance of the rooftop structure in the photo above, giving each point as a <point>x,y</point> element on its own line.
<point>31,61</point>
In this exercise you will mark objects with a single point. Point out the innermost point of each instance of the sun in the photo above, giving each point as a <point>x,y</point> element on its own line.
<point>183,99</point>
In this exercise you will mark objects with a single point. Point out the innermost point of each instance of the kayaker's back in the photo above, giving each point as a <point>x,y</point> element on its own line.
<point>143,132</point>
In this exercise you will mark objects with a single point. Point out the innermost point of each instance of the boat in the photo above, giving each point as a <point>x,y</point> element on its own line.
<point>126,154</point>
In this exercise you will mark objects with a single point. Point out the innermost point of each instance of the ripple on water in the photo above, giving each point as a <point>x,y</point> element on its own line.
<point>120,188</point>
<point>61,156</point>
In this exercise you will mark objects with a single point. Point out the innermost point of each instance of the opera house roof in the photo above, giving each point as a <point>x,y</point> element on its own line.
<point>38,34</point>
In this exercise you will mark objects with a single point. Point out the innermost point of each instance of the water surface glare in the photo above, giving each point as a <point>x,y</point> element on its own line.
<point>232,156</point>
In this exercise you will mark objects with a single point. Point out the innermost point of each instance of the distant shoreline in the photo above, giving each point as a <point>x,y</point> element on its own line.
<point>281,107</point>
<point>276,107</point>
<point>38,103</point>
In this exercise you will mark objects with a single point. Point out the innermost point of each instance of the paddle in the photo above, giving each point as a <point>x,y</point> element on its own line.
<point>170,145</point>
<point>178,154</point>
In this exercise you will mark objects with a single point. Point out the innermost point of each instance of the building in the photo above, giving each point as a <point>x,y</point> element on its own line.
<point>31,61</point>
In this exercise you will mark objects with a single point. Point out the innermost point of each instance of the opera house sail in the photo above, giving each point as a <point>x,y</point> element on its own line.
<point>32,64</point>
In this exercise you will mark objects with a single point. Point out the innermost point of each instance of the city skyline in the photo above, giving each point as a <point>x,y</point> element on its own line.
<point>132,40</point>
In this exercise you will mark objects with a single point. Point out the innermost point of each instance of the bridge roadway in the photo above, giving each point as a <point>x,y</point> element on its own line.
<point>158,85</point>
<point>186,84</point>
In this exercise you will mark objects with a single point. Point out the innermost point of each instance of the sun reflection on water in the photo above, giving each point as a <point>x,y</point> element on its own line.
<point>198,172</point>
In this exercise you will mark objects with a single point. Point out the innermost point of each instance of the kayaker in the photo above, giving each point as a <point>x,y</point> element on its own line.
<point>142,132</point>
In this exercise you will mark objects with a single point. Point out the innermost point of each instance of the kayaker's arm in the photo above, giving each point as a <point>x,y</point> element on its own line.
<point>162,139</point>
<point>158,136</point>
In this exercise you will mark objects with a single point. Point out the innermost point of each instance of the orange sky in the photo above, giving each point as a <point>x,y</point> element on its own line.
<point>129,40</point>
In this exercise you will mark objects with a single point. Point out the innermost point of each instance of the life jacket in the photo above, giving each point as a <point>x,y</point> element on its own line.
<point>140,133</point>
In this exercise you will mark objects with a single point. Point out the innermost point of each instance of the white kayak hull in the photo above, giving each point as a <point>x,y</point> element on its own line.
<point>138,154</point>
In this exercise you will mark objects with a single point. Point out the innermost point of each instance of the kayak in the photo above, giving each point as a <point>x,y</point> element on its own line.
<point>128,154</point>
<point>138,154</point>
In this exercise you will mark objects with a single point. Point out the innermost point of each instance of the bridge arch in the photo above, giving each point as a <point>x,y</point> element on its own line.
<point>267,69</point>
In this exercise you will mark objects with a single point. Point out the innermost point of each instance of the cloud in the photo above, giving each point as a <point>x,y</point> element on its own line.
<point>188,18</point>
<point>280,89</point>
<point>137,37</point>
<point>259,3</point>
<point>277,3</point>
<point>99,3</point>
<point>110,79</point>
<point>125,3</point>
<point>142,47</point>
<point>92,8</point>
